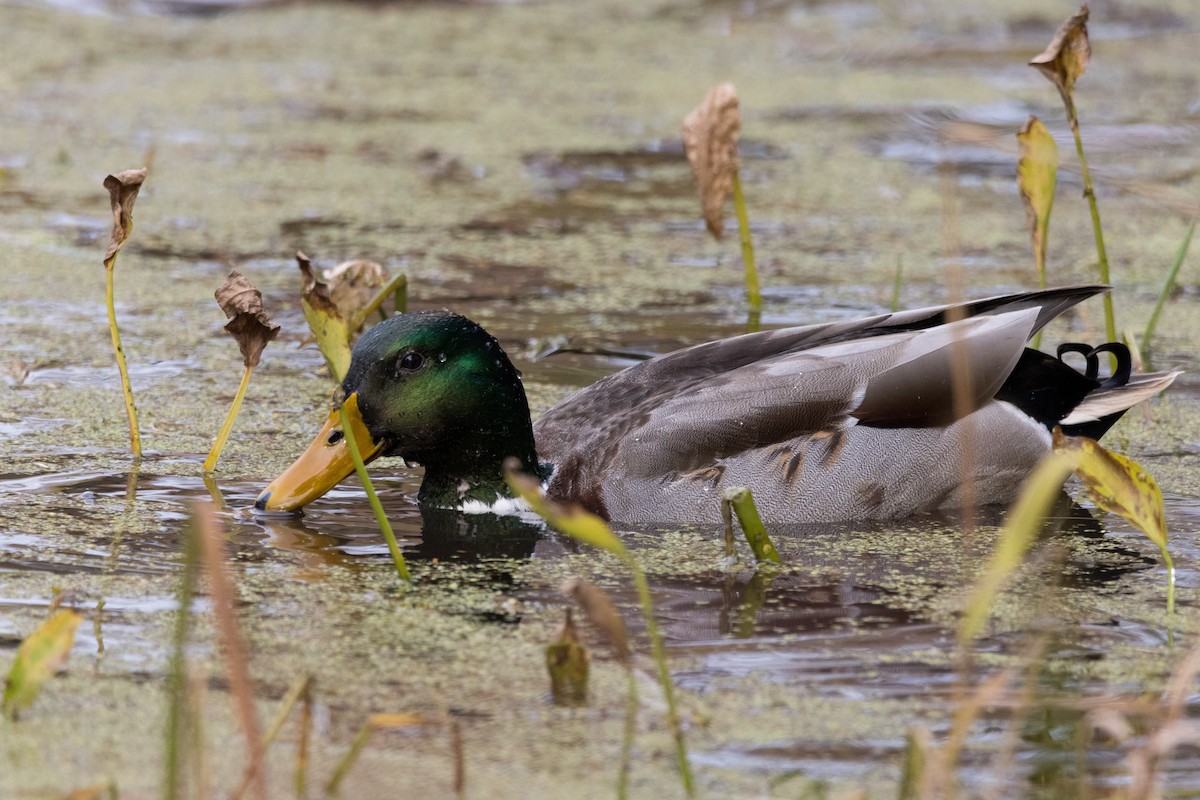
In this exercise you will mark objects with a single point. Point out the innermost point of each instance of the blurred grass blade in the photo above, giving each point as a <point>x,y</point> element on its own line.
<point>1022,525</point>
<point>1168,285</point>
<point>178,708</point>
<point>590,529</point>
<point>122,192</point>
<point>328,326</point>
<point>212,551</point>
<point>742,501</point>
<point>38,658</point>
<point>573,521</point>
<point>567,663</point>
<point>1119,484</point>
<point>1037,176</point>
<point>603,615</point>
<point>375,722</point>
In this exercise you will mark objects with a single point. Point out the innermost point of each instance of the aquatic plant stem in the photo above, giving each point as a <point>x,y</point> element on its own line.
<point>176,681</point>
<point>1089,191</point>
<point>631,710</point>
<point>361,469</point>
<point>1167,285</point>
<point>742,502</point>
<point>135,437</point>
<point>360,741</point>
<point>753,295</point>
<point>210,463</point>
<point>664,674</point>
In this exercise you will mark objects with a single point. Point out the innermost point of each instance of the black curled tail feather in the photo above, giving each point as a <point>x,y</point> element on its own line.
<point>1049,389</point>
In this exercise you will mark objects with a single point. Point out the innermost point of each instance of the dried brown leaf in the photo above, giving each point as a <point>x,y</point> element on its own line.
<point>710,135</point>
<point>1066,57</point>
<point>122,192</point>
<point>248,323</point>
<point>328,325</point>
<point>567,663</point>
<point>602,614</point>
<point>353,285</point>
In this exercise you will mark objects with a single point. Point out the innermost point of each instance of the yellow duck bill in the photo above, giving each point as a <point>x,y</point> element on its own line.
<point>325,463</point>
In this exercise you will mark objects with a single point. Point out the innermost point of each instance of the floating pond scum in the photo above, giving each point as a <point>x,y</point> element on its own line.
<point>1049,655</point>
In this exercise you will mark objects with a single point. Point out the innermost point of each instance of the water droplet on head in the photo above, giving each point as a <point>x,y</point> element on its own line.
<point>441,358</point>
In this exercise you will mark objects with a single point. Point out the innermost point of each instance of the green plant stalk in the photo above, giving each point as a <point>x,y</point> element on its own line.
<point>301,780</point>
<point>361,469</point>
<point>1170,580</point>
<point>360,741</point>
<point>176,688</point>
<point>135,437</point>
<point>1166,290</point>
<point>742,501</point>
<point>631,710</point>
<point>753,295</point>
<point>396,287</point>
<point>1039,258</point>
<point>210,463</point>
<point>1110,324</point>
<point>664,674</point>
<point>298,689</point>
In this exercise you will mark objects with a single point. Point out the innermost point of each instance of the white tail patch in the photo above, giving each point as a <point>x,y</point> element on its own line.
<point>1103,402</point>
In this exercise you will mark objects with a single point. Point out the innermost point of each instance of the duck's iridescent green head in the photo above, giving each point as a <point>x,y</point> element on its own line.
<point>434,388</point>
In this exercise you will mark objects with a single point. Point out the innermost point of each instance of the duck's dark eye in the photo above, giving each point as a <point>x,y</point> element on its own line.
<point>411,362</point>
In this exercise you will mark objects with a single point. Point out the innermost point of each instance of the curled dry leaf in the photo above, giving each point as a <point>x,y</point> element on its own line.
<point>710,135</point>
<point>248,323</point>
<point>1037,177</point>
<point>353,285</point>
<point>1066,57</point>
<point>602,614</point>
<point>122,192</point>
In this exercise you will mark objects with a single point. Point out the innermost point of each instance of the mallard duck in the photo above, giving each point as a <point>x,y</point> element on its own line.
<point>843,420</point>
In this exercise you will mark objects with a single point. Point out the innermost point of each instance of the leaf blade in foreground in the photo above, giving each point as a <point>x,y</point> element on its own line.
<point>38,659</point>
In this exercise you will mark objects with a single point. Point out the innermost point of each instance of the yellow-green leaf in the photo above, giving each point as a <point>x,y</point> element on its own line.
<point>1066,57</point>
<point>1037,176</point>
<point>38,658</point>
<point>332,332</point>
<point>573,521</point>
<point>1118,484</point>
<point>1023,523</point>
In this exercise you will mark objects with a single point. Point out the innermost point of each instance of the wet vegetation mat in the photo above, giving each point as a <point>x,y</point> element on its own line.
<point>522,163</point>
